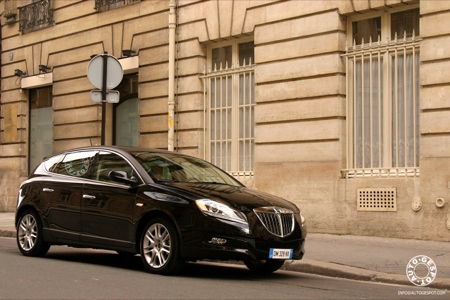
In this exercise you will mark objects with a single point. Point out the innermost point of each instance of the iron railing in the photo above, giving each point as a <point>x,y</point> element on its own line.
<point>35,16</point>
<point>104,5</point>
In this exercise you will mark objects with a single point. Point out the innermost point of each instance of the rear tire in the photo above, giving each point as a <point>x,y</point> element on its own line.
<point>160,247</point>
<point>264,266</point>
<point>29,235</point>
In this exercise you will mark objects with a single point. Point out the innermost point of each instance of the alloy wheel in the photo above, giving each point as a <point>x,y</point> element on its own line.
<point>27,232</point>
<point>29,236</point>
<point>157,245</point>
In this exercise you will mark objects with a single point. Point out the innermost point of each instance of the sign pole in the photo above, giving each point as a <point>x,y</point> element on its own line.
<point>105,72</point>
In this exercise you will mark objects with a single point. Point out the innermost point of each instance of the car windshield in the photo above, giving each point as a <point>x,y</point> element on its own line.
<point>167,167</point>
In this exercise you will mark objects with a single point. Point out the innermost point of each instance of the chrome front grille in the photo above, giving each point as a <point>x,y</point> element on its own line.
<point>278,221</point>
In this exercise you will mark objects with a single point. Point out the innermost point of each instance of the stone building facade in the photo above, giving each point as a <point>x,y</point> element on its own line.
<point>342,107</point>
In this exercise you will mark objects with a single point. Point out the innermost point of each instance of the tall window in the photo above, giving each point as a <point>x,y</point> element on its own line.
<point>383,95</point>
<point>40,126</point>
<point>229,103</point>
<point>126,114</point>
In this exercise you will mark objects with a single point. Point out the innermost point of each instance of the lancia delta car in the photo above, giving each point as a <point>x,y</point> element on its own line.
<point>167,207</point>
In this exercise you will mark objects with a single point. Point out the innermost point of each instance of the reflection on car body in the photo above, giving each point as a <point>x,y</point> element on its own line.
<point>167,207</point>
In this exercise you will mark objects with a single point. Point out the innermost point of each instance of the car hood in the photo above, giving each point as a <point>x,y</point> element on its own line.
<point>239,197</point>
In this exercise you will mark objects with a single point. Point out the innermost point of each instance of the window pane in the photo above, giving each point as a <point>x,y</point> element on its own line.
<point>41,98</point>
<point>405,110</point>
<point>41,125</point>
<point>221,120</point>
<point>221,58</point>
<point>129,85</point>
<point>246,54</point>
<point>77,164</point>
<point>127,122</point>
<point>368,118</point>
<point>405,22</point>
<point>126,113</point>
<point>366,30</point>
<point>105,163</point>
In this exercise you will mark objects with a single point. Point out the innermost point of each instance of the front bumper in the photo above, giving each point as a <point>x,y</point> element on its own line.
<point>222,247</point>
<point>210,238</point>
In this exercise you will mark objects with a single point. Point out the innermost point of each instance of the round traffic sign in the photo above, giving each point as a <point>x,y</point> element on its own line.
<point>114,73</point>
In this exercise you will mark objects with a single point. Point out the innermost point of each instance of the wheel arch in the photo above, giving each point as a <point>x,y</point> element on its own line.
<point>24,208</point>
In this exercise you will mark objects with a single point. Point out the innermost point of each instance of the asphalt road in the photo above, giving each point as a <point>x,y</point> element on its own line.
<point>68,273</point>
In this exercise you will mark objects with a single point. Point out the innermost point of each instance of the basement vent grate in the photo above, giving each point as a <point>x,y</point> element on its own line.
<point>377,199</point>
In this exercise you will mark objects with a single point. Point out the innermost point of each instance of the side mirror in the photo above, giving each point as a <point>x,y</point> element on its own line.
<point>122,176</point>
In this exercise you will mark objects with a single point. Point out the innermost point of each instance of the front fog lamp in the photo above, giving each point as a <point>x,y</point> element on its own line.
<point>217,241</point>
<point>220,211</point>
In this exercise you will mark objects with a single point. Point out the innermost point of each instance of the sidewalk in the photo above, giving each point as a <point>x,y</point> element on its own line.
<point>354,257</point>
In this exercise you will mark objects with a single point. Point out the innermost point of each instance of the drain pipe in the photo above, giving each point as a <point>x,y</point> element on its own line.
<point>171,98</point>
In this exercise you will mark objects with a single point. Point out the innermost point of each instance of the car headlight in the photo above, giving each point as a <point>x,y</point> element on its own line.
<point>302,218</point>
<point>220,211</point>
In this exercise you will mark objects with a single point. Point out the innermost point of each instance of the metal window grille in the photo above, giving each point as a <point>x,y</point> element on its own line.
<point>229,98</point>
<point>104,5</point>
<point>383,108</point>
<point>35,16</point>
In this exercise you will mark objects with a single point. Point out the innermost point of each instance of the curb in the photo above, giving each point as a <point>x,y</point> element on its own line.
<point>342,271</point>
<point>329,269</point>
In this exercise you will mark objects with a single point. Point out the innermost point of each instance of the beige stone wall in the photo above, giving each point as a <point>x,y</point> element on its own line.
<point>435,118</point>
<point>66,47</point>
<point>300,111</point>
<point>300,96</point>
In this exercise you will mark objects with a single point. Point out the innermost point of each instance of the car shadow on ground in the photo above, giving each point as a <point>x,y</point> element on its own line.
<point>201,269</point>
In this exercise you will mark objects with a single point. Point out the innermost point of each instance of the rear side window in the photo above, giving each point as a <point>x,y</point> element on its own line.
<point>51,164</point>
<point>76,164</point>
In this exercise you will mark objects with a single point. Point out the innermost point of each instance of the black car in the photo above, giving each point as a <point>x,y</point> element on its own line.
<point>168,207</point>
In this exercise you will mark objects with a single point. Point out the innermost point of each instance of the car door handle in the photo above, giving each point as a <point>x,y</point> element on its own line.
<point>48,190</point>
<point>88,196</point>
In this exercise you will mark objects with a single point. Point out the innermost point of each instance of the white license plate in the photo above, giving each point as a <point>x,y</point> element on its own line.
<point>280,253</point>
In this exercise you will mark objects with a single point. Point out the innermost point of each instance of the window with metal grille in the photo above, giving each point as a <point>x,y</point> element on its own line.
<point>36,15</point>
<point>229,99</point>
<point>104,5</point>
<point>382,66</point>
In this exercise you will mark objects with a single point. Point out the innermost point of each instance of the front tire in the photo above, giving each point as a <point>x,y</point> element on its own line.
<point>160,247</point>
<point>264,266</point>
<point>29,235</point>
